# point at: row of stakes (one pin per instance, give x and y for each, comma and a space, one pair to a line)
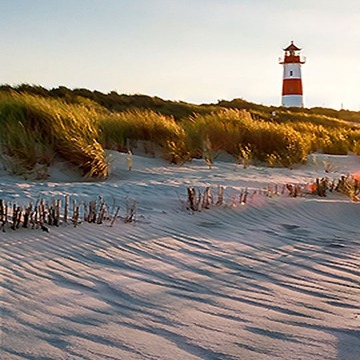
198, 200
43, 214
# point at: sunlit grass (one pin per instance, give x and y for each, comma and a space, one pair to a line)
120, 129
235, 130
34, 129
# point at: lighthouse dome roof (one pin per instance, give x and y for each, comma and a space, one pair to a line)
292, 47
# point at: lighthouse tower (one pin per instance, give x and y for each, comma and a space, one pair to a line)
292, 93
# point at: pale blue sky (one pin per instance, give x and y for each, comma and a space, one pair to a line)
190, 50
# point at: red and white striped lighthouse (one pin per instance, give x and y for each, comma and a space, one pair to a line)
292, 92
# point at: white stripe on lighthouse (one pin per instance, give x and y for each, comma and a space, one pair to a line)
292, 100
292, 71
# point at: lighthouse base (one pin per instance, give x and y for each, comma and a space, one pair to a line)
292, 100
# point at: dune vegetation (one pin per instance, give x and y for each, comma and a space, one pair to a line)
34, 130
38, 125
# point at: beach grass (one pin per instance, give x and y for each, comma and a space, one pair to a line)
237, 132
36, 128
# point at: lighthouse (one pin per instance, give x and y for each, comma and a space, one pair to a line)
292, 92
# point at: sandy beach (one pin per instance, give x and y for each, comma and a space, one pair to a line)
273, 278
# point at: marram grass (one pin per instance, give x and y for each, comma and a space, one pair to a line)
118, 129
235, 130
34, 129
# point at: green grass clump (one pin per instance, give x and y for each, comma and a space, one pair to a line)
330, 140
234, 130
35, 129
117, 129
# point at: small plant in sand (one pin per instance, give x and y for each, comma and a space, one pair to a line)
131, 207
314, 162
208, 153
328, 165
349, 186
130, 160
272, 159
245, 156
175, 152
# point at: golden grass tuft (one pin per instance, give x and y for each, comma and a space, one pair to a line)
35, 129
118, 129
235, 130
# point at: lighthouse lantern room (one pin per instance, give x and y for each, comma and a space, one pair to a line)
292, 92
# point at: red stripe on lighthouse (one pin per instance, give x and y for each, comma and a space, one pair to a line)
292, 87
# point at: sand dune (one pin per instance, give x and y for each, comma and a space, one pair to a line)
275, 278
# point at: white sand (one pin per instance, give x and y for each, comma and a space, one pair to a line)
277, 278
